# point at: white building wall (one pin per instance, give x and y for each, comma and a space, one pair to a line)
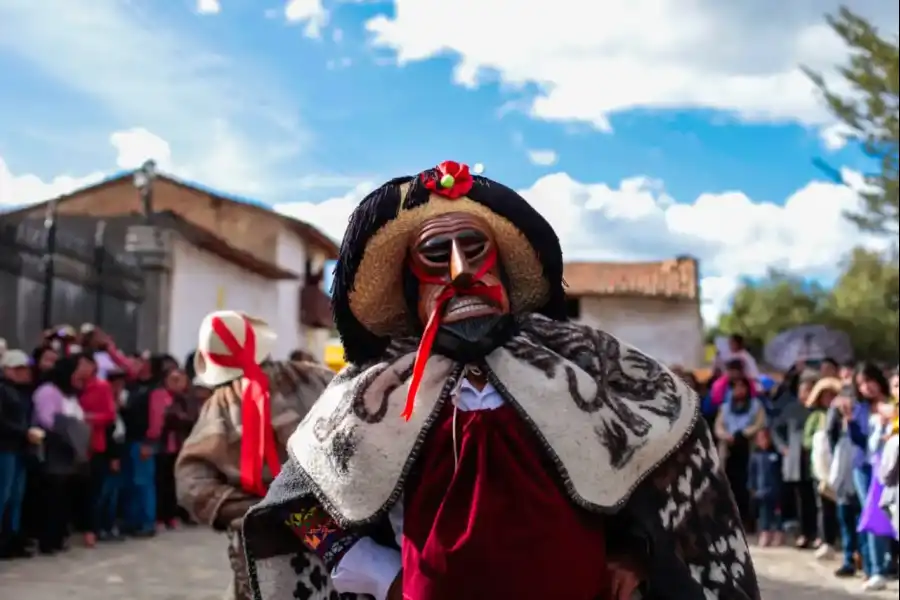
291, 254
199, 281
669, 330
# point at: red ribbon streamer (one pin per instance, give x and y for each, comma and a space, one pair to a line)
475, 288
258, 437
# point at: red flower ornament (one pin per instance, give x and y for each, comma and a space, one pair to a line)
452, 181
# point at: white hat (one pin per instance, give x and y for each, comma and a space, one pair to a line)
211, 344
14, 359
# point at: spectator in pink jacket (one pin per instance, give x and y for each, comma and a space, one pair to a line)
734, 371
100, 411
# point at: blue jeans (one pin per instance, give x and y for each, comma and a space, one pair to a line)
768, 518
140, 494
106, 500
873, 549
12, 491
848, 518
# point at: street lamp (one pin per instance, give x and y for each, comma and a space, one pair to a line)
148, 244
143, 181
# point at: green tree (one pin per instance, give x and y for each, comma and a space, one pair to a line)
761, 309
865, 301
870, 111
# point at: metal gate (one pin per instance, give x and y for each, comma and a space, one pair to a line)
88, 284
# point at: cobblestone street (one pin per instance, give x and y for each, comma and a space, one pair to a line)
190, 565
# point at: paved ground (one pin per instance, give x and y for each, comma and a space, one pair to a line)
190, 565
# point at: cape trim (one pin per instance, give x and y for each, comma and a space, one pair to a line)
606, 415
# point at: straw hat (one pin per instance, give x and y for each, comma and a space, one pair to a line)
211, 345
826, 384
368, 300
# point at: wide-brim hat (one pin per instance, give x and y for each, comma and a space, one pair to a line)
367, 295
211, 345
826, 384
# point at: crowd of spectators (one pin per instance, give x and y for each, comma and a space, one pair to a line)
811, 456
88, 440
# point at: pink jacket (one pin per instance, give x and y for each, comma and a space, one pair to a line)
719, 390
99, 408
160, 399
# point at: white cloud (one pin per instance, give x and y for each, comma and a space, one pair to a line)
137, 145
17, 190
227, 119
543, 158
592, 59
636, 219
731, 235
208, 7
309, 12
133, 147
835, 136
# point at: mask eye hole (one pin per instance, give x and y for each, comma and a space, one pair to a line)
436, 250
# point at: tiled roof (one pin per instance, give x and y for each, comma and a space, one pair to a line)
674, 278
305, 230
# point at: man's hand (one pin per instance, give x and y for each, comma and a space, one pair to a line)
728, 438
35, 435
146, 451
396, 591
115, 465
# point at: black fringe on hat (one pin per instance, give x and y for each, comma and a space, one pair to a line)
380, 207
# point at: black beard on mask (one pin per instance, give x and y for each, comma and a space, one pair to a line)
468, 340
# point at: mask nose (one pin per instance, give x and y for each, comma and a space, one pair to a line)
461, 274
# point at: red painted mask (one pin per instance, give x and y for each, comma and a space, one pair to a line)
462, 300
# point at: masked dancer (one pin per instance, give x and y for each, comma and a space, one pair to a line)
481, 446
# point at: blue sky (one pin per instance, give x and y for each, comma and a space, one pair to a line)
641, 134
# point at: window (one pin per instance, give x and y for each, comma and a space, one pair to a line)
573, 308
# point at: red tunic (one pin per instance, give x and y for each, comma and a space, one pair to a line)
500, 526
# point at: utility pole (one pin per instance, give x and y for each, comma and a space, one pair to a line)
99, 260
50, 230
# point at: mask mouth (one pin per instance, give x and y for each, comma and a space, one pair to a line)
461, 309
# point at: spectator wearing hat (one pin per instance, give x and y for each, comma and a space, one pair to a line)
16, 438
220, 473
816, 444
